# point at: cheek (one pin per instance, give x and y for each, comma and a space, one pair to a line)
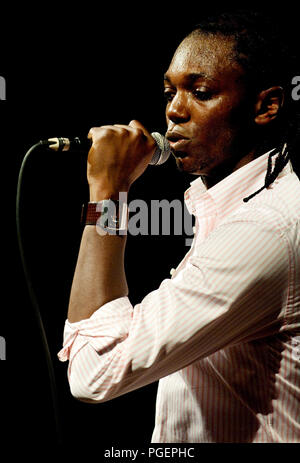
217, 121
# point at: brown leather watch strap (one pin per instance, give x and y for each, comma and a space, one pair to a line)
92, 213
110, 215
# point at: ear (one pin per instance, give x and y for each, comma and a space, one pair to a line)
268, 105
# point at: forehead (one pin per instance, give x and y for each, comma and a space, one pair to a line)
211, 55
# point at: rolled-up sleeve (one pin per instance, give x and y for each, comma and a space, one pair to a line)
229, 290
99, 334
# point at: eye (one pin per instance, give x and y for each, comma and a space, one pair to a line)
202, 94
169, 94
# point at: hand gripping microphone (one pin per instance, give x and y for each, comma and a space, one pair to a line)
162, 152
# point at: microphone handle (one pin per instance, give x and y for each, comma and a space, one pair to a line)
69, 144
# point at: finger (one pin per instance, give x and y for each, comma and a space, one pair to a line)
132, 128
94, 130
90, 133
122, 126
137, 125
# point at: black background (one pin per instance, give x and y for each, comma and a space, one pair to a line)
68, 70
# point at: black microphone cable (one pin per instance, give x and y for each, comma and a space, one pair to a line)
32, 294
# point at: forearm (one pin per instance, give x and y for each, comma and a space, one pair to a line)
118, 156
99, 275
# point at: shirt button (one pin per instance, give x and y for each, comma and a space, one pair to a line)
172, 271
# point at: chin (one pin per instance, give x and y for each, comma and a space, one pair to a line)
187, 165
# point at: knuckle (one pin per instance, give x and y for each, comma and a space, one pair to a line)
138, 132
92, 131
123, 131
104, 133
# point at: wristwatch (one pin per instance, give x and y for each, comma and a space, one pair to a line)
109, 216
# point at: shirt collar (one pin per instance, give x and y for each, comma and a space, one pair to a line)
228, 194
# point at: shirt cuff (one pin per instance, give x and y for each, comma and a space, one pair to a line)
111, 320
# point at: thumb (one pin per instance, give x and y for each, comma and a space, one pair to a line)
137, 125
150, 140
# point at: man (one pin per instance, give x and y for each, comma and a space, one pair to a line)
219, 334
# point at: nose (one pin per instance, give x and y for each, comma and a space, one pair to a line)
177, 110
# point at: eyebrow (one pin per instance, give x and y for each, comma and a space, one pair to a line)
192, 77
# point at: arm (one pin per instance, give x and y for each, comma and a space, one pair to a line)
99, 275
118, 156
230, 291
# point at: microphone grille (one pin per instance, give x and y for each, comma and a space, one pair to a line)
162, 151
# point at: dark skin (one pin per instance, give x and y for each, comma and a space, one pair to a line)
210, 113
208, 103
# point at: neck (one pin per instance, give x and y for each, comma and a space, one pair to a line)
225, 170
237, 159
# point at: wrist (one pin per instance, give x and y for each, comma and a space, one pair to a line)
98, 193
110, 216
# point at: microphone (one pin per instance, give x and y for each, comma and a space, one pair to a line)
161, 155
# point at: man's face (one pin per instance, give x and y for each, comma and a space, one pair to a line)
208, 112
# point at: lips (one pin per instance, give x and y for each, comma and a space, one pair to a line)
177, 140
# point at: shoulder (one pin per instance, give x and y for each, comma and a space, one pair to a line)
276, 208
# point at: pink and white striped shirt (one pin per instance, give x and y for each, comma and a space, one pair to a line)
221, 334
